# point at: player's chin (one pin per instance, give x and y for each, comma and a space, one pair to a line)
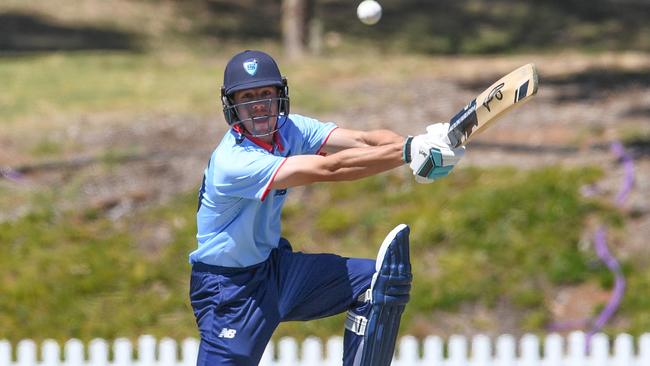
263, 126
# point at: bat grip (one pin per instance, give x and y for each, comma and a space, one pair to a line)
455, 137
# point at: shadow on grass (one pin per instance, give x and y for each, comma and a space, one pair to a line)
592, 84
244, 20
639, 147
420, 26
639, 112
24, 33
449, 26
598, 83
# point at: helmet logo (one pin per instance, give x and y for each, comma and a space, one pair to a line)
250, 66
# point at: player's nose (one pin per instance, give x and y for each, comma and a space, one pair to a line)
259, 106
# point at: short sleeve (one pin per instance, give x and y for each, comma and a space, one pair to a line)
315, 133
247, 174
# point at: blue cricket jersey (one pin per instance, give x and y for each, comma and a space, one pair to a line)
238, 219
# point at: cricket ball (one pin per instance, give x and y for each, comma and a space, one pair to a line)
369, 12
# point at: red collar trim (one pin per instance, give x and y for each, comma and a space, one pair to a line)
263, 144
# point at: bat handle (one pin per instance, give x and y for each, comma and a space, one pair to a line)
455, 137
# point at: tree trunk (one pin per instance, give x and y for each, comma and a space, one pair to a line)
294, 19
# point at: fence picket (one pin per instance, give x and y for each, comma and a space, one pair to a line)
334, 351
123, 352
407, 352
501, 351
287, 352
576, 349
644, 350
623, 350
506, 350
146, 350
189, 351
481, 350
26, 353
98, 352
433, 351
599, 350
457, 351
167, 352
530, 350
5, 352
74, 353
312, 351
553, 350
50, 353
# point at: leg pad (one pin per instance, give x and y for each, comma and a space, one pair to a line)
388, 295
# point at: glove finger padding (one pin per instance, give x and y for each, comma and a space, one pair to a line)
438, 131
439, 162
432, 157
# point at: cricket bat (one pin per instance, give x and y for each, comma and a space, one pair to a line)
511, 90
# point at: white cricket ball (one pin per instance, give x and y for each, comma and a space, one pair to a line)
369, 12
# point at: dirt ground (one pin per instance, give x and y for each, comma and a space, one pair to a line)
583, 105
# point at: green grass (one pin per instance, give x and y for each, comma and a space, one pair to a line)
56, 85
478, 237
489, 238
52, 90
69, 274
636, 303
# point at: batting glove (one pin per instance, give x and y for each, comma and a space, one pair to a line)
431, 155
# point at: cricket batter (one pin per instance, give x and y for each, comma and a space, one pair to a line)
246, 278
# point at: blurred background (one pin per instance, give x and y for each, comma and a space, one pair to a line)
109, 111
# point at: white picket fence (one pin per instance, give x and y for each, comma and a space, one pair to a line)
505, 350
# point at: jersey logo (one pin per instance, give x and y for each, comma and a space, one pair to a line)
227, 333
250, 66
280, 192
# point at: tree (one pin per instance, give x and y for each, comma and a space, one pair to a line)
298, 22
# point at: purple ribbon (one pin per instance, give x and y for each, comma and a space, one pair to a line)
10, 174
602, 249
603, 253
628, 165
619, 282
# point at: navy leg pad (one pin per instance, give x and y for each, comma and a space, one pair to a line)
388, 294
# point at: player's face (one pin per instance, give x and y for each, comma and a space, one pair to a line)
258, 110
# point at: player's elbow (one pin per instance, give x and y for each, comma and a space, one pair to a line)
338, 169
303, 170
326, 170
330, 168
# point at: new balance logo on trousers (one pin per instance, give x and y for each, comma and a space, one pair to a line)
227, 333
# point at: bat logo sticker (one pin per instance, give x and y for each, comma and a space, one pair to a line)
494, 93
521, 92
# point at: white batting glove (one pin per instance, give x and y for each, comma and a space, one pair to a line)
430, 155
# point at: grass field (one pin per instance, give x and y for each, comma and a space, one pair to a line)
490, 244
494, 246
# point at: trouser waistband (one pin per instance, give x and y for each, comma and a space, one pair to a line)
204, 267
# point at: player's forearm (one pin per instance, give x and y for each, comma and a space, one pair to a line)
342, 139
349, 164
362, 162
381, 137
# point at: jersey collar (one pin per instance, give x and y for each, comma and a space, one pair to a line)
277, 141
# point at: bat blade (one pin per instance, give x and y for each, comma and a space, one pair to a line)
511, 90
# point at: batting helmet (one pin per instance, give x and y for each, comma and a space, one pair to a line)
252, 69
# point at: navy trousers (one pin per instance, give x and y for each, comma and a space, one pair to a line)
237, 309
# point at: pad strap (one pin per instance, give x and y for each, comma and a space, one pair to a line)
356, 323
366, 296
